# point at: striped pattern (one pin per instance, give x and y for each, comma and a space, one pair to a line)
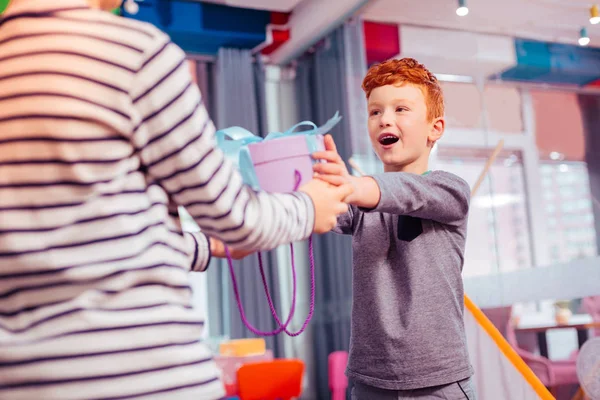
102, 136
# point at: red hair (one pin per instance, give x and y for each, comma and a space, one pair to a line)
407, 70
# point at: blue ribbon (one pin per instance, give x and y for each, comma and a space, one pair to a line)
236, 148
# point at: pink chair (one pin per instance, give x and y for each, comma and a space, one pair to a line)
551, 373
338, 382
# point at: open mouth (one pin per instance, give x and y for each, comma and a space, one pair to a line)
387, 139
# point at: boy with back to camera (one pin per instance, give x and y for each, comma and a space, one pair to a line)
409, 229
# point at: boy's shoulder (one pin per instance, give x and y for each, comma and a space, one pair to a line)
450, 178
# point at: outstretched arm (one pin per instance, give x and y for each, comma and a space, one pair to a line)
438, 196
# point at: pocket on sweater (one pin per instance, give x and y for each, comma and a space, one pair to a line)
409, 228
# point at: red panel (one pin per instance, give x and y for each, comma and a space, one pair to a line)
279, 18
594, 84
382, 41
279, 36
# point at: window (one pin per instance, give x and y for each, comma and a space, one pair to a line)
498, 230
569, 212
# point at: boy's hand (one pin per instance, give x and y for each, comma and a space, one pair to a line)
217, 249
329, 202
366, 191
334, 171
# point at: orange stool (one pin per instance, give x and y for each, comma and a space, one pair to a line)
279, 379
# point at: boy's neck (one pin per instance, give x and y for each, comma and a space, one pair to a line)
418, 167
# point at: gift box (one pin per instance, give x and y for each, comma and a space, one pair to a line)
281, 162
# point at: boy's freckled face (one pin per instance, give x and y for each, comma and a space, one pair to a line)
398, 125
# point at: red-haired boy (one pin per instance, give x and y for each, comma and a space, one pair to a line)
409, 229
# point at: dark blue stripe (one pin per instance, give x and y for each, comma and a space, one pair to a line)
214, 200
73, 282
102, 291
82, 221
79, 244
58, 270
80, 309
189, 168
199, 185
153, 56
38, 383
180, 149
225, 214
62, 183
8, 364
42, 14
67, 53
72, 34
173, 100
171, 389
181, 122
195, 251
233, 228
66, 74
109, 329
53, 139
66, 96
57, 161
65, 205
161, 80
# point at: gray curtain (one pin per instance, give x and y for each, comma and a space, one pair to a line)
238, 99
322, 89
590, 111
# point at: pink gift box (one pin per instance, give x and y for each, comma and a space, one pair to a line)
276, 162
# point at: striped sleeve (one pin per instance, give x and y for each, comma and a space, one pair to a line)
198, 246
174, 137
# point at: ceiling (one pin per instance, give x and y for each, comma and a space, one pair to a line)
271, 5
546, 20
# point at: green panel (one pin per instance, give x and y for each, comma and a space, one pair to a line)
3, 4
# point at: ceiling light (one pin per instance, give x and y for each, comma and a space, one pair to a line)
595, 14
462, 9
584, 39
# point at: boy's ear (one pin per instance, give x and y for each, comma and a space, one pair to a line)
437, 130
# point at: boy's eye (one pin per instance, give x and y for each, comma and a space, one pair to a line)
400, 109
374, 112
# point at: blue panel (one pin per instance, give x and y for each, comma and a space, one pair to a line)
553, 63
223, 18
204, 28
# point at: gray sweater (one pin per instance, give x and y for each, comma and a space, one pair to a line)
407, 310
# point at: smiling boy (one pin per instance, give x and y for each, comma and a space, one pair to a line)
409, 230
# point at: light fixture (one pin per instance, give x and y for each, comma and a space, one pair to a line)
131, 7
462, 9
584, 39
594, 15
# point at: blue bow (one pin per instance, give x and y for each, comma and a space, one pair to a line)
236, 148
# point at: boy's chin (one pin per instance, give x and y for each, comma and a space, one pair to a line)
391, 161
396, 163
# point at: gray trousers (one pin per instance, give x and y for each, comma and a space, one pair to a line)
461, 390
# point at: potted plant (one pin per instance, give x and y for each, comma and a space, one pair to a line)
562, 312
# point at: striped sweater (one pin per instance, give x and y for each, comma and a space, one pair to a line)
102, 136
